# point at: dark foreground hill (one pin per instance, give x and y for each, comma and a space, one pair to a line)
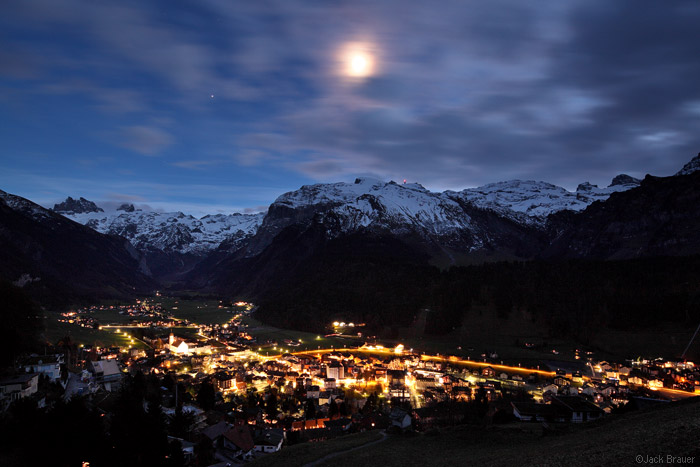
646, 437
60, 262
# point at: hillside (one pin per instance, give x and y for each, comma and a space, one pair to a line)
58, 261
665, 430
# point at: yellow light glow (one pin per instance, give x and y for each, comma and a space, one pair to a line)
358, 60
360, 65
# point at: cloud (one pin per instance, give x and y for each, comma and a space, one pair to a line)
196, 164
465, 93
255, 210
145, 140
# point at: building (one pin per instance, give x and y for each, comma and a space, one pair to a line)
49, 365
335, 370
17, 387
106, 373
269, 440
400, 419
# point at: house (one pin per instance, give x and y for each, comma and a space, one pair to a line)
339, 426
329, 383
187, 448
17, 387
238, 442
534, 412
562, 381
424, 382
396, 377
488, 372
230, 441
400, 419
106, 373
269, 440
223, 381
49, 365
579, 408
313, 392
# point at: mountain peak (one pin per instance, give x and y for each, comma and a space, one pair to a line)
73, 206
126, 207
585, 186
624, 179
690, 167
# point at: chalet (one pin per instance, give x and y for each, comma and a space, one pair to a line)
488, 372
269, 440
230, 441
238, 441
580, 410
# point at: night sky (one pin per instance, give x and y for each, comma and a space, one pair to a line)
222, 105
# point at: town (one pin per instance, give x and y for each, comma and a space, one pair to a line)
231, 394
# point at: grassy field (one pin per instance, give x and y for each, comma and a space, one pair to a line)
672, 429
301, 454
309, 341
55, 331
198, 311
111, 317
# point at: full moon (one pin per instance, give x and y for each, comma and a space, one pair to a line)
360, 65
358, 60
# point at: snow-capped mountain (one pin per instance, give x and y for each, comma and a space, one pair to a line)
495, 217
169, 231
448, 217
76, 206
690, 167
530, 202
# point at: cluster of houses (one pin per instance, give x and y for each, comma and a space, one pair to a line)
319, 395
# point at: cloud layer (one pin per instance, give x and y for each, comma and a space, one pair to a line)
464, 92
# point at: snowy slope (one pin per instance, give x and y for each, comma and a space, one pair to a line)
370, 202
367, 202
171, 231
690, 167
530, 202
346, 207
25, 206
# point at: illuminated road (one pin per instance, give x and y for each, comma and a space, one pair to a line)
452, 360
674, 394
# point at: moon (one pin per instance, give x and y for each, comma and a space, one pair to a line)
358, 61
360, 65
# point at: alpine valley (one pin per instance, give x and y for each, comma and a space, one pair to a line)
402, 245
